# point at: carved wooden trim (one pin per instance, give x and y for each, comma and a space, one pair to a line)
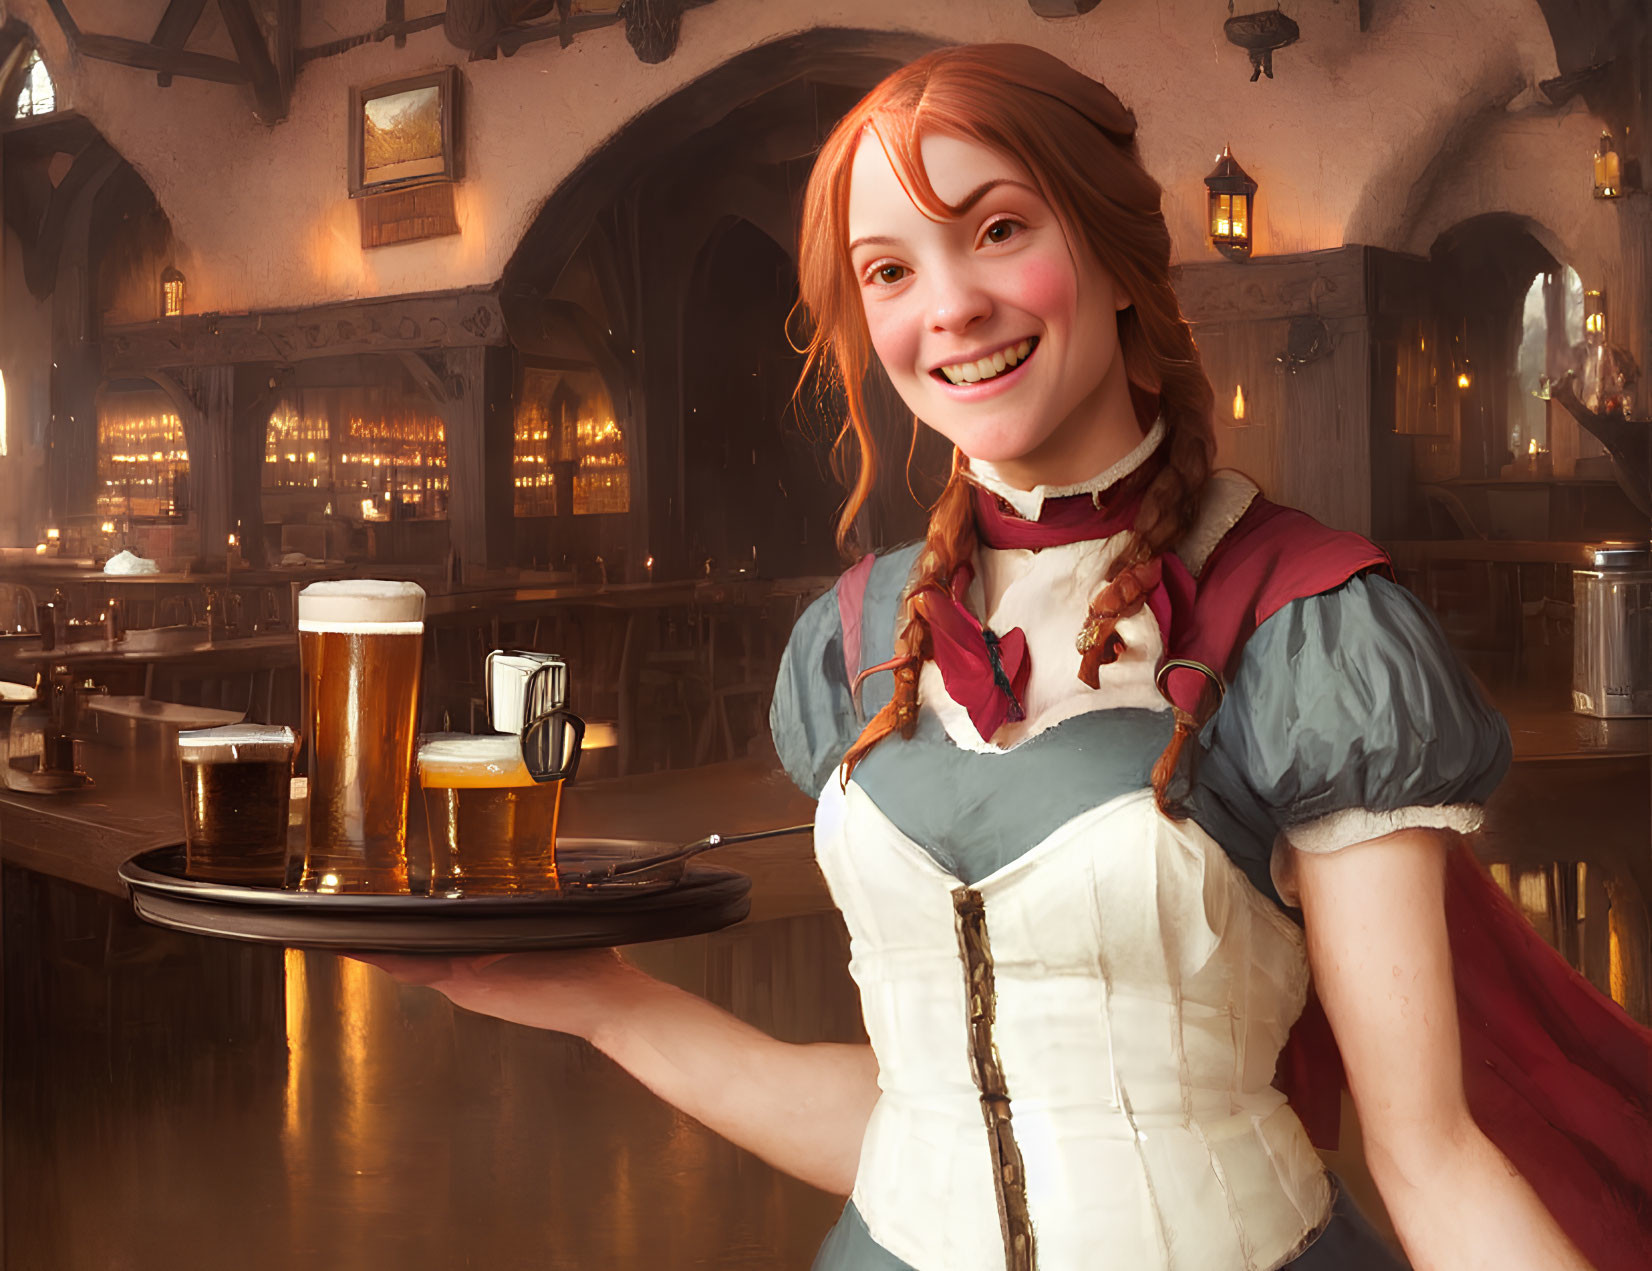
430, 320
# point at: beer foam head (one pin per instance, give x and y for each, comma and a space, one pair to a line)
234, 743
365, 605
458, 759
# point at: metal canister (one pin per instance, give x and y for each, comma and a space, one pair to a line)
1612, 633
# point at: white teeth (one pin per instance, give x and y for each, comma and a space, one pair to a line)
987, 367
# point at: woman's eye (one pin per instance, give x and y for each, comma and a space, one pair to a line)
887, 275
1001, 231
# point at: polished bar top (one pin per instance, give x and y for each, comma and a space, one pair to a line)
135, 803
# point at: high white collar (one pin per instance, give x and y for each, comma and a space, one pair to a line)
1029, 504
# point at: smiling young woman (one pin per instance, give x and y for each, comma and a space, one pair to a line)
1080, 956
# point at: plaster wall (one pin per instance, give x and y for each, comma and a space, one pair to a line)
1345, 142
26, 362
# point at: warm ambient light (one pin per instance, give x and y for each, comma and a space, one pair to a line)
1594, 315
39, 549
232, 540
108, 527
1462, 379
52, 536
1239, 401
1229, 195
1608, 169
1532, 449
172, 293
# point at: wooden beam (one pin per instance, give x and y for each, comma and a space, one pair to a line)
285, 52
254, 53
441, 320
146, 57
174, 29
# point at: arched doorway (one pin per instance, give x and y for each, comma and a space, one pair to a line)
623, 276
751, 476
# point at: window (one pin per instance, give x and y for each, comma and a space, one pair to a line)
378, 454
143, 462
38, 96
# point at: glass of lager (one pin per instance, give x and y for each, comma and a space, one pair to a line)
492, 826
361, 647
237, 780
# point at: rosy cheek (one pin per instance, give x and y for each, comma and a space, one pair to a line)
894, 338
1046, 286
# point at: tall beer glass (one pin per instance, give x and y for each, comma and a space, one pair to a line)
236, 785
492, 826
361, 646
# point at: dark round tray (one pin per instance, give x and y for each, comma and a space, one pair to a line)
705, 898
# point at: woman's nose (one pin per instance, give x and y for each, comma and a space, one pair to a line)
957, 302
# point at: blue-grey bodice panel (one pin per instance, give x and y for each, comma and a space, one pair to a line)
1350, 699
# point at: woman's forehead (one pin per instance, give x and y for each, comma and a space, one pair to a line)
956, 167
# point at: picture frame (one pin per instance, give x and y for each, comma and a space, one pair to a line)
403, 132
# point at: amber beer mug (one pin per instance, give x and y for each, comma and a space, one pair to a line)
361, 646
492, 826
237, 781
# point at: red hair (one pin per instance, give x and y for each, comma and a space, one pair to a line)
1078, 143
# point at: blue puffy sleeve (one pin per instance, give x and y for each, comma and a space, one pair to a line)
812, 717
1350, 717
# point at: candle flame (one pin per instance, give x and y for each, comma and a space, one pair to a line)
1239, 401
1462, 379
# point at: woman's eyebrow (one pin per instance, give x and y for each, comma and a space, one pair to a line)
987, 187
969, 200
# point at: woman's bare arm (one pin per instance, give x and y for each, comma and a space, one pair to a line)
1381, 961
802, 1108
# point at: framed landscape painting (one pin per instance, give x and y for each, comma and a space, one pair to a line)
402, 132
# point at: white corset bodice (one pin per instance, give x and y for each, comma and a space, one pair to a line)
1143, 992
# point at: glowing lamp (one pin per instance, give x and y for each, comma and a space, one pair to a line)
52, 536
108, 527
1594, 317
1463, 380
172, 292
1231, 195
1608, 169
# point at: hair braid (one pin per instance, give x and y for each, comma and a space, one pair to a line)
949, 544
1168, 507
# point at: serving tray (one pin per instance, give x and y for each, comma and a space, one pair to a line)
705, 898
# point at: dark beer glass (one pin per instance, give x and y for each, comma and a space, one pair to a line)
361, 647
237, 781
492, 826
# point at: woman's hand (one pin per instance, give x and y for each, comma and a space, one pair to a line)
567, 991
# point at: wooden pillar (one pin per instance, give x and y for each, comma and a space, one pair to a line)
204, 397
471, 389
252, 397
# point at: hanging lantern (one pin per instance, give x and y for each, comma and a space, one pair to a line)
1594, 317
1232, 193
1608, 169
172, 292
